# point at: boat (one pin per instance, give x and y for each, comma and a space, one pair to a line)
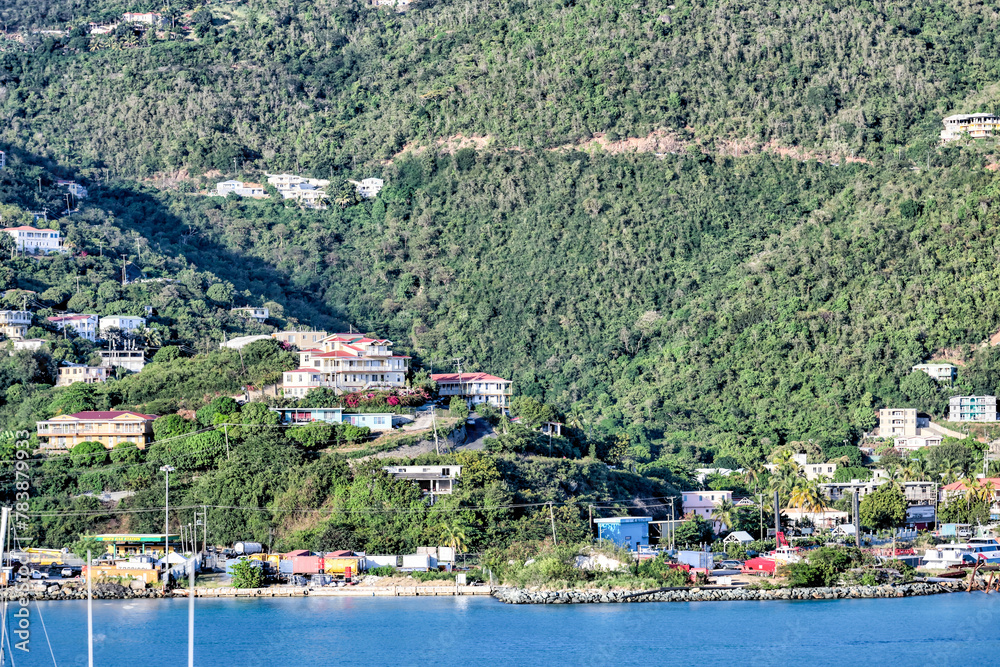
977, 549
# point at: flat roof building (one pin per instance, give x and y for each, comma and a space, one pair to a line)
940, 372
629, 532
432, 480
973, 409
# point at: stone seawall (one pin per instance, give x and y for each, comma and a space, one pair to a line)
522, 596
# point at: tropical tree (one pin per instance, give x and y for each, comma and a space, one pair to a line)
725, 514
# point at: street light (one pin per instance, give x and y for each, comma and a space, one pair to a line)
166, 519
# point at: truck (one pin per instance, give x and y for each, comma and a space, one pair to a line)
696, 559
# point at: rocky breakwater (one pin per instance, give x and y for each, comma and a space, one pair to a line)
523, 596
78, 591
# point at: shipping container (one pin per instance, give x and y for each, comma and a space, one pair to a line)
421, 562
697, 559
381, 561
337, 566
307, 564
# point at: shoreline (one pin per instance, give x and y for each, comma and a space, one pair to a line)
505, 594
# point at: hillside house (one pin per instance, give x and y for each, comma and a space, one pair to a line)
73, 373
131, 360
14, 323
145, 18
251, 313
73, 188
108, 428
971, 126
300, 339
125, 323
241, 188
346, 363
432, 480
703, 503
376, 421
34, 240
307, 191
940, 372
369, 187
475, 388
85, 326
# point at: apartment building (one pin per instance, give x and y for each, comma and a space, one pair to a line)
108, 428
973, 126
252, 313
14, 323
894, 422
819, 470
973, 409
475, 388
940, 372
347, 363
916, 493
80, 373
34, 240
300, 339
127, 323
85, 326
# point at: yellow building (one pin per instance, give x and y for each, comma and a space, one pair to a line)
108, 428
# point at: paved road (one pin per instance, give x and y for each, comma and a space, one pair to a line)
476, 433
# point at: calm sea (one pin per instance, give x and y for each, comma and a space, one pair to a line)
958, 629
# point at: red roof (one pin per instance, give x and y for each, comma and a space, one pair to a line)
297, 552
304, 370
63, 318
466, 377
960, 484
335, 353
400, 356
356, 349
311, 349
340, 554
25, 228
110, 414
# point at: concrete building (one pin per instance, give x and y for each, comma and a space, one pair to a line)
972, 126
629, 532
475, 388
242, 188
369, 187
703, 503
108, 428
131, 360
251, 313
916, 493
893, 422
14, 323
940, 372
33, 344
85, 326
134, 544
145, 18
819, 470
307, 191
34, 240
126, 323
432, 480
347, 363
973, 409
376, 421
912, 444
301, 339
80, 373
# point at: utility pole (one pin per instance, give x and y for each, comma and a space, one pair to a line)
434, 425
166, 525
673, 519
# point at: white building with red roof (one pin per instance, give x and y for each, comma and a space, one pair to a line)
34, 240
475, 388
347, 363
85, 326
959, 488
109, 427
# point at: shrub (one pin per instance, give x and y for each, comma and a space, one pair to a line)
89, 453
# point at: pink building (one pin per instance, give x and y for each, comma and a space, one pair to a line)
703, 503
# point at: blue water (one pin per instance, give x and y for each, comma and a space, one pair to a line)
958, 629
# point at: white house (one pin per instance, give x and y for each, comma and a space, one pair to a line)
146, 18
346, 363
14, 323
127, 323
252, 313
85, 326
35, 240
369, 187
73, 188
243, 189
738, 537
475, 388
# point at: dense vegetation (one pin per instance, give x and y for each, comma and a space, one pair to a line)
695, 306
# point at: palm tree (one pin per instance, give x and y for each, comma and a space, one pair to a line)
977, 491
725, 514
915, 470
453, 535
807, 496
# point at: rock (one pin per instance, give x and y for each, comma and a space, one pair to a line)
137, 585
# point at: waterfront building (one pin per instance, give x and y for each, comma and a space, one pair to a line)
628, 532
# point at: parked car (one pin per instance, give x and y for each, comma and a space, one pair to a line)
730, 565
38, 574
66, 572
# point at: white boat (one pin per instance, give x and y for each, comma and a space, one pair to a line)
944, 556
785, 554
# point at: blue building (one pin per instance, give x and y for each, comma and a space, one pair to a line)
630, 532
376, 421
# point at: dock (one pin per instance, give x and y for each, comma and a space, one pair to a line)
336, 591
